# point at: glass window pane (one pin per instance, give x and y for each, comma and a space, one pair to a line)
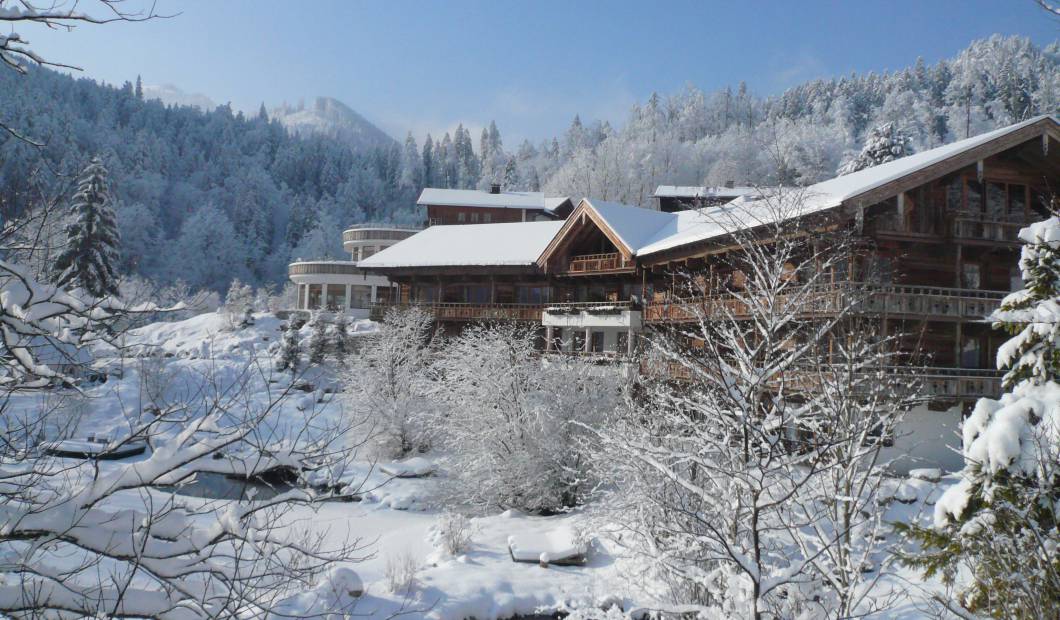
314, 297
1017, 199
975, 196
336, 297
995, 199
360, 296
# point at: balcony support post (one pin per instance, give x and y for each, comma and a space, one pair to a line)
588, 346
629, 343
549, 331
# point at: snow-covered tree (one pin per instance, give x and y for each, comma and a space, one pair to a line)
289, 355
513, 421
885, 143
730, 463
238, 305
318, 338
387, 383
89, 258
1001, 523
340, 336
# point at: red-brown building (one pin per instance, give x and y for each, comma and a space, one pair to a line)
469, 206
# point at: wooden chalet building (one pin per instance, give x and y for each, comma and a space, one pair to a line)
942, 223
468, 206
674, 198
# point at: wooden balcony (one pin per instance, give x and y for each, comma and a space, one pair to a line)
590, 264
466, 312
973, 228
936, 383
893, 301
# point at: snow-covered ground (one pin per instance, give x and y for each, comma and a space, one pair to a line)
398, 517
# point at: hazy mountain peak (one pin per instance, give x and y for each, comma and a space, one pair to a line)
170, 94
332, 118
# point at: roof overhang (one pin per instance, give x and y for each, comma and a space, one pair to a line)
583, 215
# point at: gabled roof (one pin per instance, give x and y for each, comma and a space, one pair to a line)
474, 198
696, 191
518, 243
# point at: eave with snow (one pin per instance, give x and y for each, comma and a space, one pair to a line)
469, 206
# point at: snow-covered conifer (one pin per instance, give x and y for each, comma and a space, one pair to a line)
289, 356
340, 336
885, 143
318, 338
238, 306
91, 252
1001, 522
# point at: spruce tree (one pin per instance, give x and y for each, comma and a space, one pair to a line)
341, 336
91, 251
290, 354
885, 143
1001, 523
318, 338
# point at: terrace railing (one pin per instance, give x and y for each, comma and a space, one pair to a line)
855, 298
466, 311
598, 263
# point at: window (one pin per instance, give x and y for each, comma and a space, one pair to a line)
336, 296
1017, 199
474, 218
557, 338
486, 217
597, 343
360, 296
970, 353
578, 340
975, 196
461, 217
301, 295
1015, 278
382, 294
954, 191
313, 302
622, 343
367, 251
970, 275
995, 200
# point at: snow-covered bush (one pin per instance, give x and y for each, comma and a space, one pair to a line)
388, 384
400, 571
514, 421
454, 532
1001, 522
340, 337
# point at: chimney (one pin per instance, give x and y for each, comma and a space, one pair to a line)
495, 188
729, 184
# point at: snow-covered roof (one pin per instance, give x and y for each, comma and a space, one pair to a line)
695, 191
513, 244
701, 224
554, 202
634, 226
475, 198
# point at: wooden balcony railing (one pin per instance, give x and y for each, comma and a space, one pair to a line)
892, 300
466, 312
591, 307
598, 263
987, 230
935, 383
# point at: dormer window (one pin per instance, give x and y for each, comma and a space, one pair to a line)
460, 217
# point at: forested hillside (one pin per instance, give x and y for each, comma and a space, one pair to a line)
204, 197
207, 196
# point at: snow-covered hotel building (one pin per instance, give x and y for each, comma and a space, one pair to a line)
336, 285
942, 225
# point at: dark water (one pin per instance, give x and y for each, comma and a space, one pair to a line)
219, 486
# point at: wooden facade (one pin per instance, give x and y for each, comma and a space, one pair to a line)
944, 253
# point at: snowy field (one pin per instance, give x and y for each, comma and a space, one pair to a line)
396, 519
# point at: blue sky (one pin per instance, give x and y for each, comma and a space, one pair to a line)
427, 65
